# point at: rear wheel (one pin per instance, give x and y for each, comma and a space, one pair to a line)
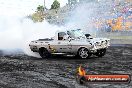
100, 52
44, 53
84, 53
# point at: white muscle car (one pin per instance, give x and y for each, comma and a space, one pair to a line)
70, 42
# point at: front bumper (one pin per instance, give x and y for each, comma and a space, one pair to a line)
33, 48
102, 45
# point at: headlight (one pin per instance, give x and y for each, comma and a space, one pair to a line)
92, 46
98, 43
34, 47
106, 42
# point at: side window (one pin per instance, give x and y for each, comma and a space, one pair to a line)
61, 35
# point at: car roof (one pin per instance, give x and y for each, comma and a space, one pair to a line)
64, 30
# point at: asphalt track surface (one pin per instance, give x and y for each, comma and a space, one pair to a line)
22, 71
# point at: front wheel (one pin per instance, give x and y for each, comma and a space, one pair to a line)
44, 53
84, 53
100, 52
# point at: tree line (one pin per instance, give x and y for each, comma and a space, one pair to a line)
55, 5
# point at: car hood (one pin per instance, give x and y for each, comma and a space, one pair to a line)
94, 40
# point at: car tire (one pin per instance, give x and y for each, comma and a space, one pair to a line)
83, 53
44, 53
100, 52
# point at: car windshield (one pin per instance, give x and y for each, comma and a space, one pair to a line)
78, 33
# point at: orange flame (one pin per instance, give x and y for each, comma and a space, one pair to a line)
82, 72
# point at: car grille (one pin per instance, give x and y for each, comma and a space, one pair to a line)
102, 44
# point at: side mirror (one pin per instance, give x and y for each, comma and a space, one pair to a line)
69, 38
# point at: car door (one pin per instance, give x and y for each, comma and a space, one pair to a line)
63, 45
74, 44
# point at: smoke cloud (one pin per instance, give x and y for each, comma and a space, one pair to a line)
86, 15
17, 31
